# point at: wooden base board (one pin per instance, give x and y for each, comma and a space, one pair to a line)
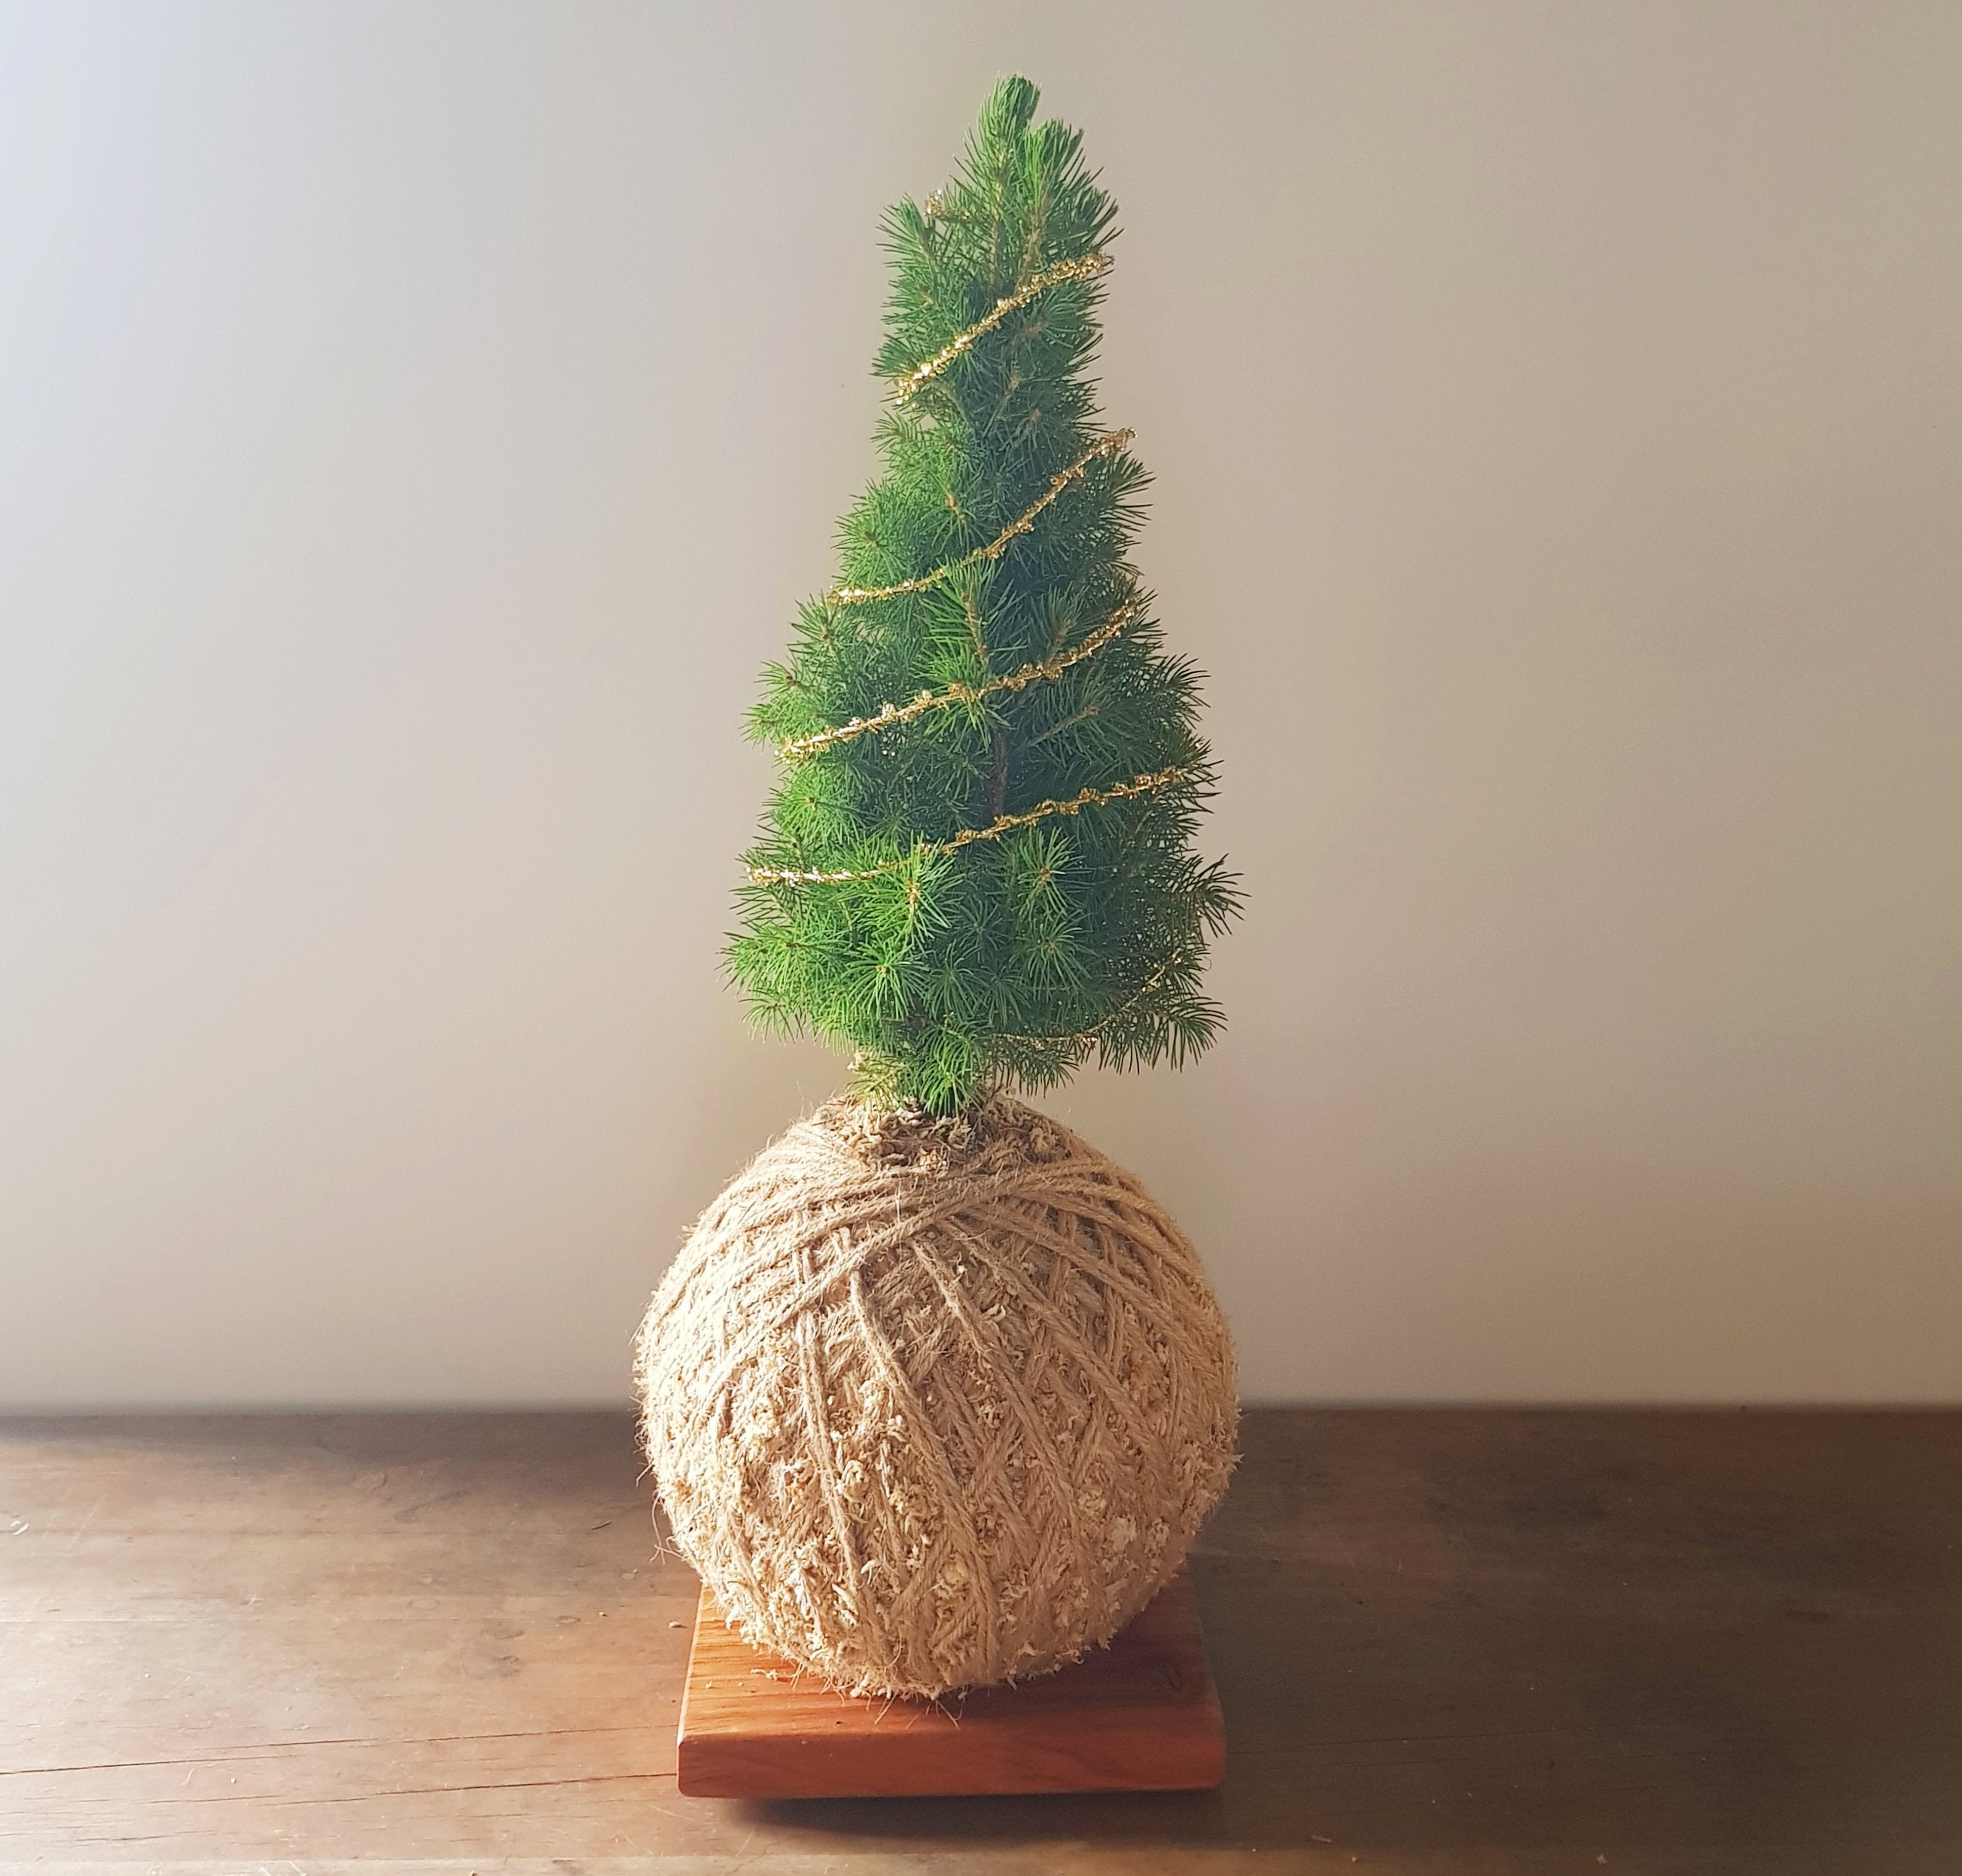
1139, 1716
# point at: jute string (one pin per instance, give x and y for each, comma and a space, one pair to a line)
931, 1406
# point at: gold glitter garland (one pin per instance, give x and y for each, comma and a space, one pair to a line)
891, 715
1104, 445
995, 829
1087, 267
1090, 1035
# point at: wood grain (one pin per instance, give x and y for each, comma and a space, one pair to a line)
1445, 1644
1141, 1716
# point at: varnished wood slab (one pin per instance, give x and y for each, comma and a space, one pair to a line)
1448, 1643
1139, 1716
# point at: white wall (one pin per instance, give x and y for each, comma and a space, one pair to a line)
418, 423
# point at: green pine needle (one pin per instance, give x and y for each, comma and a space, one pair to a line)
1012, 960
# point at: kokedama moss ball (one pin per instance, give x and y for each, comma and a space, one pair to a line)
935, 1403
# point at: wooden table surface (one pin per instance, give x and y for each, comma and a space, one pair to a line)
1697, 1644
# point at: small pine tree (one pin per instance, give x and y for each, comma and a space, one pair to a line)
977, 867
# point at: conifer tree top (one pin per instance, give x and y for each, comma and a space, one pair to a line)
977, 867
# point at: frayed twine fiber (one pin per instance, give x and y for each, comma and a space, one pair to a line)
932, 1404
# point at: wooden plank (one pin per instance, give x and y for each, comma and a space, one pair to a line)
1140, 1716
1479, 1643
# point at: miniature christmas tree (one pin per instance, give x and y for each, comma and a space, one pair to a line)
936, 1395
977, 867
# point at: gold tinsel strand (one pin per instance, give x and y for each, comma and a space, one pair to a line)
1104, 445
891, 715
1087, 267
995, 829
1090, 1035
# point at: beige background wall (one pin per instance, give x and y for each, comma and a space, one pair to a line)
419, 423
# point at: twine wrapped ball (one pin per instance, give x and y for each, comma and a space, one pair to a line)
932, 1404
